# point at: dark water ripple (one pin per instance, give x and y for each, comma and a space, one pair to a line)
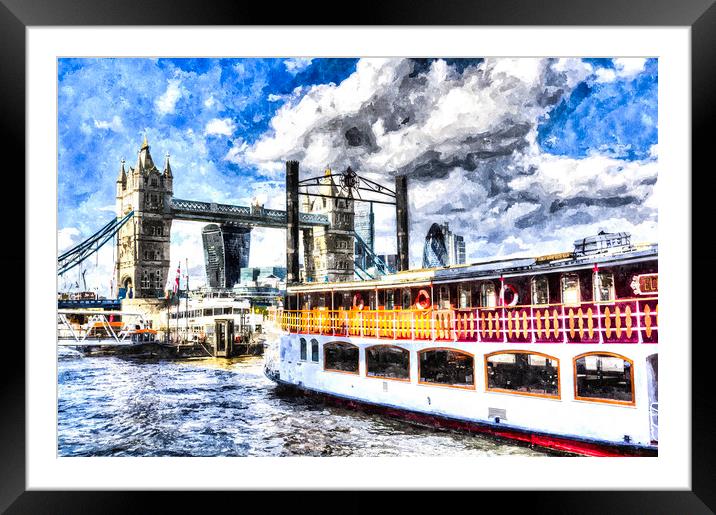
209, 407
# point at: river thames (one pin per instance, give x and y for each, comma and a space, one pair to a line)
110, 406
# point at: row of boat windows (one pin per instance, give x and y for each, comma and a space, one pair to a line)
598, 376
208, 312
485, 294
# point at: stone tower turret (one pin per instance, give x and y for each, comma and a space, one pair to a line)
328, 251
143, 243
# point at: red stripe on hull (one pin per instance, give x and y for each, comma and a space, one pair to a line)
558, 443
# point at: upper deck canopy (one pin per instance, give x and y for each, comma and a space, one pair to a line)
494, 268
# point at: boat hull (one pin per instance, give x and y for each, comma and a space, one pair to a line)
561, 443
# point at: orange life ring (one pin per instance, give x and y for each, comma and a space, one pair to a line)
515, 295
358, 301
422, 301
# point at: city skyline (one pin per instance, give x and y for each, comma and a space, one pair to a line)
570, 149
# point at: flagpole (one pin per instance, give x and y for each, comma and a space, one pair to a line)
186, 302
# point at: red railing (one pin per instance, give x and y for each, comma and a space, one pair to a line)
622, 321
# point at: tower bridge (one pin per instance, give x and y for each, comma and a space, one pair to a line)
254, 216
146, 207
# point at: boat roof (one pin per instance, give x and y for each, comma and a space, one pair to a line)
509, 267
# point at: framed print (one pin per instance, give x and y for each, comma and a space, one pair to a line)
475, 203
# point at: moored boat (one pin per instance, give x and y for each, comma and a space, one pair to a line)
558, 351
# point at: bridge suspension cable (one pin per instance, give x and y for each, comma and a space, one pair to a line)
368, 257
77, 254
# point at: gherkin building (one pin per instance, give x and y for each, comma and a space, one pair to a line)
435, 252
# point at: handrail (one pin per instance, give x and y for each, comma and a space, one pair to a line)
620, 321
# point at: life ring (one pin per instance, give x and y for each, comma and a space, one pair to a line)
422, 301
358, 301
515, 295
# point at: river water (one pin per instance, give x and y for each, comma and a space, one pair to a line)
110, 406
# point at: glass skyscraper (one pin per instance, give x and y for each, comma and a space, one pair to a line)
442, 247
226, 251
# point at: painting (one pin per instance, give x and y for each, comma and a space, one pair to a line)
452, 242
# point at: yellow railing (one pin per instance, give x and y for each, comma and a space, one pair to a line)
622, 321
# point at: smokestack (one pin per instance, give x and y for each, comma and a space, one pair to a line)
292, 222
401, 220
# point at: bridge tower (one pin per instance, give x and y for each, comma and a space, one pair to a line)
143, 243
328, 251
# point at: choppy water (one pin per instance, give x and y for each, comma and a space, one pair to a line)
215, 407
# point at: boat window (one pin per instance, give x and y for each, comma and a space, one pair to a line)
464, 295
314, 350
407, 299
341, 357
540, 290
389, 302
603, 287
522, 372
371, 300
488, 297
570, 289
304, 356
605, 377
444, 297
387, 361
447, 367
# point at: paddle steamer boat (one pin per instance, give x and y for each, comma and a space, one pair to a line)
557, 351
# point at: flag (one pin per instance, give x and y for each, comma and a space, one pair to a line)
176, 281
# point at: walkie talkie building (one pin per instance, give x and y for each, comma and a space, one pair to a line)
226, 252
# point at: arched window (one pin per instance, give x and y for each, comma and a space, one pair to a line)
488, 296
570, 289
540, 290
340, 357
464, 295
446, 367
314, 350
387, 361
372, 303
522, 372
304, 352
444, 297
145, 279
389, 302
406, 298
603, 287
158, 277
604, 377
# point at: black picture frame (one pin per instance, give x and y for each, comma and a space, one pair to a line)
16, 15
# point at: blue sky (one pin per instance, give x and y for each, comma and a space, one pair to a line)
483, 129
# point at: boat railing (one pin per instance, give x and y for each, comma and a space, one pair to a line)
618, 321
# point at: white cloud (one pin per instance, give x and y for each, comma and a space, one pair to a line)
220, 126
628, 67
624, 68
114, 124
66, 238
297, 64
166, 103
467, 142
